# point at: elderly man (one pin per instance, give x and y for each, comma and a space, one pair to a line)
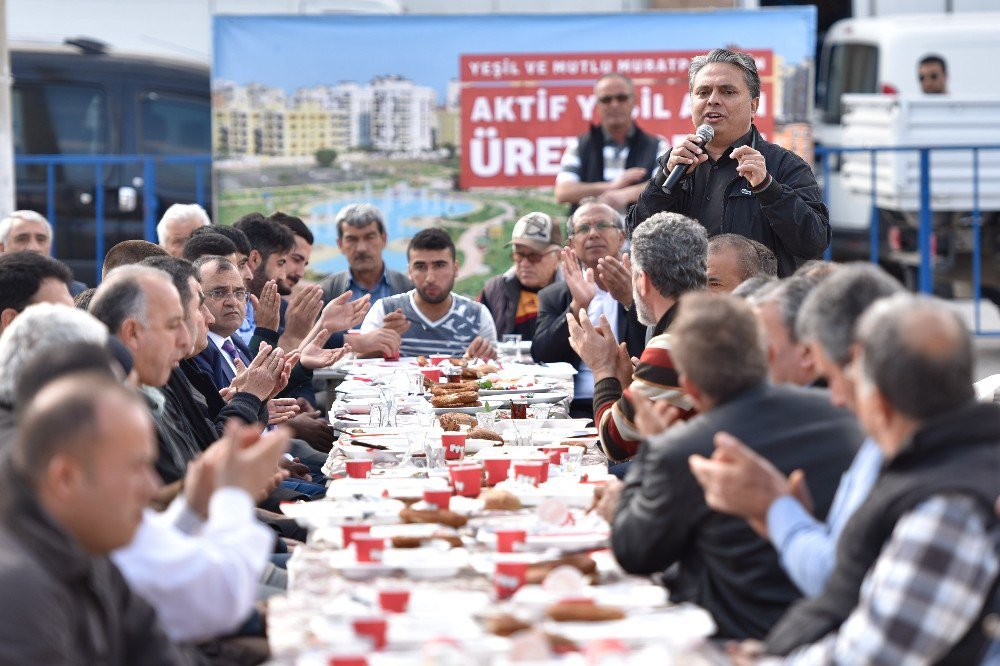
733, 259
597, 279
918, 561
441, 321
361, 238
610, 160
28, 231
662, 518
749, 186
668, 261
777, 307
177, 224
27, 278
75, 487
778, 506
512, 298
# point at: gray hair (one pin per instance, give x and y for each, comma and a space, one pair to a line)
121, 296
672, 250
359, 215
789, 295
918, 354
831, 311
748, 289
40, 329
27, 215
744, 61
753, 257
181, 212
616, 217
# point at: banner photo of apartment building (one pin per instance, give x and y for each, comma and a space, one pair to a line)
461, 121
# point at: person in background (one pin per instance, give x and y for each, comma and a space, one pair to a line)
177, 224
28, 231
933, 74
239, 239
777, 307
209, 243
611, 160
734, 259
130, 252
512, 298
27, 278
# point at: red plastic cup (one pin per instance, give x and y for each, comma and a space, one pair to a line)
391, 357
347, 660
372, 628
352, 531
554, 453
530, 471
508, 577
394, 601
496, 470
369, 548
454, 445
359, 469
433, 374
545, 471
437, 358
506, 539
439, 498
466, 479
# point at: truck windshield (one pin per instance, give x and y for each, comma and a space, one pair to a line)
846, 68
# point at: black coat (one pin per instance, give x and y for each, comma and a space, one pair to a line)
788, 216
724, 567
551, 341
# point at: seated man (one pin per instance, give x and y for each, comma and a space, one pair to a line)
662, 518
27, 278
777, 306
732, 259
75, 486
512, 298
176, 225
361, 237
28, 231
668, 261
237, 238
440, 321
129, 252
918, 561
596, 279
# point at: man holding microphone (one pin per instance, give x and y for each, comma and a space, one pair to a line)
738, 183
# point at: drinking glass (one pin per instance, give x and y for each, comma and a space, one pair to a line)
509, 349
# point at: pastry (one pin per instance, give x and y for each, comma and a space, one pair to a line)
483, 433
460, 387
442, 517
462, 399
495, 499
575, 611
537, 572
450, 421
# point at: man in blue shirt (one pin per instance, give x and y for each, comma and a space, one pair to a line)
738, 481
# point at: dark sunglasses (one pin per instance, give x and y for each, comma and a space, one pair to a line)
532, 257
621, 98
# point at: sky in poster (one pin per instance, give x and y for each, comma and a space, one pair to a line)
303, 51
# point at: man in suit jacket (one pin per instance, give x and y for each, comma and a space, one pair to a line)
361, 237
225, 297
662, 519
602, 286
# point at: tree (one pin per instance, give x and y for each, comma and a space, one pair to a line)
325, 157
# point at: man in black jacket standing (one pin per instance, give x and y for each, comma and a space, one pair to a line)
662, 518
739, 183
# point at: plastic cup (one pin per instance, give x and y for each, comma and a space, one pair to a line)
467, 479
508, 577
555, 453
391, 357
438, 498
529, 471
437, 358
394, 600
350, 532
508, 538
347, 660
359, 469
454, 445
372, 628
433, 374
496, 470
369, 548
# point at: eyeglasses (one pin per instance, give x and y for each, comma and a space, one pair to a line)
621, 98
532, 257
222, 294
584, 229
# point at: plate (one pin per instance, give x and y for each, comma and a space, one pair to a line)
459, 410
323, 513
532, 398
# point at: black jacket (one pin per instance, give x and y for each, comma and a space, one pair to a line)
59, 605
788, 216
724, 567
551, 341
501, 295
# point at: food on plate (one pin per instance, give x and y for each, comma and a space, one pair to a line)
478, 371
483, 433
422, 361
451, 421
460, 387
462, 399
505, 625
452, 540
538, 571
583, 611
495, 499
439, 516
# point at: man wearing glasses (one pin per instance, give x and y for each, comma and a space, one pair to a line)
512, 298
611, 160
226, 298
597, 279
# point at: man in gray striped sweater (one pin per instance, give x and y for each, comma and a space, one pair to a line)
441, 322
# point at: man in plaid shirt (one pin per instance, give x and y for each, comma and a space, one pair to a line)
917, 564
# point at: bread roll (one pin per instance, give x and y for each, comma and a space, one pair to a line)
439, 516
583, 612
463, 399
495, 499
483, 433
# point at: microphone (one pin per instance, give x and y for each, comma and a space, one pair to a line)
706, 133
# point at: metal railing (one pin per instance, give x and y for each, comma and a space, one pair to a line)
201, 165
925, 269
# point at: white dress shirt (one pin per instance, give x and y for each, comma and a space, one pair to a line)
603, 303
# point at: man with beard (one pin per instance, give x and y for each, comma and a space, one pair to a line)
440, 321
270, 244
302, 303
668, 260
